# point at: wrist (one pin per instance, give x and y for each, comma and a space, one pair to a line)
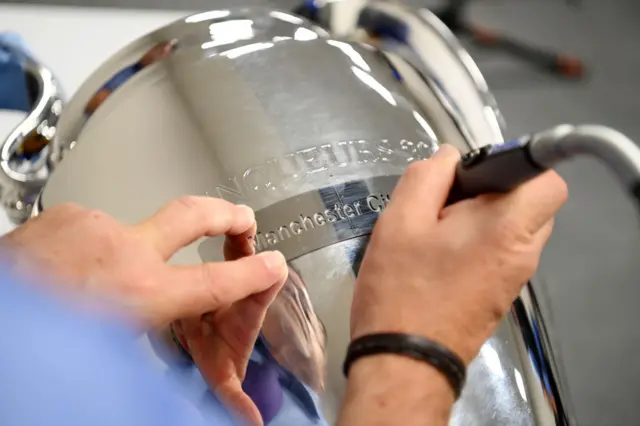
453, 338
402, 369
390, 387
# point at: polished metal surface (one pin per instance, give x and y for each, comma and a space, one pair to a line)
444, 64
26, 159
264, 108
491, 111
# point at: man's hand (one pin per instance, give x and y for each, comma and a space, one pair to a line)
128, 264
451, 273
447, 273
221, 343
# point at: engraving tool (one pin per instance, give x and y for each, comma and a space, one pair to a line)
500, 168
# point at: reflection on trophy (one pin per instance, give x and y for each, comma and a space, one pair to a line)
289, 356
297, 119
295, 335
153, 55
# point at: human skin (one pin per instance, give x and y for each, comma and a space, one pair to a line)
93, 255
449, 274
410, 281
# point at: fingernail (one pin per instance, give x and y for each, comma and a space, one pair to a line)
273, 260
445, 149
247, 211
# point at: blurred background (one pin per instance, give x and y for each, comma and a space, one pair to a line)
588, 278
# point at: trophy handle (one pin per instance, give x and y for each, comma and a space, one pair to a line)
27, 155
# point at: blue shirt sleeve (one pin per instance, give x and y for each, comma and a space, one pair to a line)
61, 367
13, 87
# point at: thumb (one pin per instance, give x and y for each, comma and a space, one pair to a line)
199, 289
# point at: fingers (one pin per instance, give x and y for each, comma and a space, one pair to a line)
533, 204
238, 246
426, 184
204, 288
187, 219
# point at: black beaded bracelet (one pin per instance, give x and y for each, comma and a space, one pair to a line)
415, 347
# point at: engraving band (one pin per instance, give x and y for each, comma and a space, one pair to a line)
296, 166
316, 219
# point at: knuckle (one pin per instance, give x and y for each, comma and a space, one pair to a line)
209, 275
207, 210
98, 215
510, 235
516, 253
188, 202
67, 209
191, 207
98, 221
417, 168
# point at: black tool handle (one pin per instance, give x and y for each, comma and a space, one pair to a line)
493, 169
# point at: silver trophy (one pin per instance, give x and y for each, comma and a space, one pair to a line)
310, 123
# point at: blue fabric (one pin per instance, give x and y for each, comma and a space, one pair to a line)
305, 398
13, 87
383, 25
262, 385
298, 404
61, 367
121, 77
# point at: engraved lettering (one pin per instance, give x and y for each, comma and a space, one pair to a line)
307, 223
310, 157
274, 173
319, 159
425, 150
346, 150
256, 178
260, 242
319, 219
331, 217
386, 153
348, 210
315, 221
374, 203
295, 227
332, 156
284, 232
352, 148
230, 193
364, 154
357, 206
291, 166
272, 238
417, 150
408, 148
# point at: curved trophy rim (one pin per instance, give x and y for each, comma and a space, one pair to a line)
183, 33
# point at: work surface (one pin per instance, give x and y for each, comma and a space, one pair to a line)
590, 269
